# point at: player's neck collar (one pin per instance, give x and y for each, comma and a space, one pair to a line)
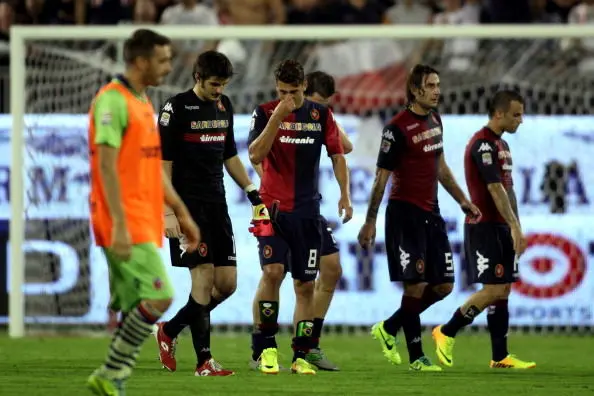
126, 83
497, 135
418, 115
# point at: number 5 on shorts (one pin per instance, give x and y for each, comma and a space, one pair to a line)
312, 261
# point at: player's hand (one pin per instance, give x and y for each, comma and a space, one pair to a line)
285, 107
519, 241
471, 210
345, 208
121, 242
172, 229
261, 223
190, 232
367, 235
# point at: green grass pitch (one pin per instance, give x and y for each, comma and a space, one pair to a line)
59, 366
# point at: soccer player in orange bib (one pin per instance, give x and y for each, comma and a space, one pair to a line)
128, 193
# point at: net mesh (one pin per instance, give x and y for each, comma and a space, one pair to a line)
62, 78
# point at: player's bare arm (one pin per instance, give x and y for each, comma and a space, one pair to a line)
341, 172
172, 229
367, 233
262, 145
108, 157
186, 224
503, 204
121, 241
448, 181
259, 170
347, 145
237, 171
513, 201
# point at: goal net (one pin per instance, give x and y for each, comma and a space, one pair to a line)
59, 280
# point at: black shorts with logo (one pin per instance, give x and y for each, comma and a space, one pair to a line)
297, 245
490, 255
417, 245
217, 245
329, 245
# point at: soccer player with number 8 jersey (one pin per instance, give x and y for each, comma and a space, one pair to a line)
286, 138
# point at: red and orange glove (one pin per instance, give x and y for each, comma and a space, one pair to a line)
261, 223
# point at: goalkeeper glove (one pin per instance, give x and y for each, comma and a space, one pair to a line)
261, 224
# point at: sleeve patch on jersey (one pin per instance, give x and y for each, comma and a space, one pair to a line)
168, 107
487, 158
164, 120
106, 118
385, 147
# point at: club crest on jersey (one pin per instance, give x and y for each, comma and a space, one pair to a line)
157, 284
267, 251
203, 249
220, 105
315, 114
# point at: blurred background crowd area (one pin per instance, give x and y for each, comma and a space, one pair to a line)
370, 74
258, 12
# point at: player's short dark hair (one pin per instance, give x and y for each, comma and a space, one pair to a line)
502, 100
212, 64
320, 83
415, 79
289, 72
142, 44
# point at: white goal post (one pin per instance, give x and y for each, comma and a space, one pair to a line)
21, 35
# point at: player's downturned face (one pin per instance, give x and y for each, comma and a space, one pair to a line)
513, 118
159, 65
295, 91
212, 88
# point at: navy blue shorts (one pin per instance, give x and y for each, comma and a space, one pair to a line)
490, 255
297, 245
417, 245
329, 245
217, 245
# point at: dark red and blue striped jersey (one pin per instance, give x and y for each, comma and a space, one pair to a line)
411, 147
291, 168
487, 160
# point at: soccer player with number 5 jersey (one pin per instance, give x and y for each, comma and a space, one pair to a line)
417, 245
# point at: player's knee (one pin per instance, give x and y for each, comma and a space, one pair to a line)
226, 288
303, 290
414, 289
443, 290
330, 272
273, 274
498, 292
156, 308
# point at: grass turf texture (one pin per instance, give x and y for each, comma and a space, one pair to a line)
60, 366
